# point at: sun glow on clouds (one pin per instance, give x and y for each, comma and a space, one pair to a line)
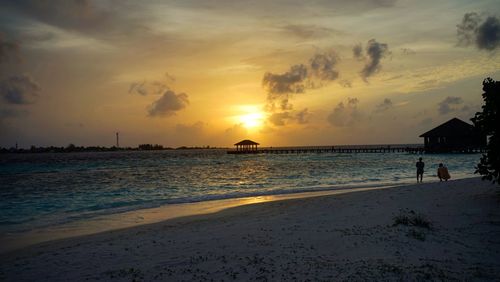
253, 117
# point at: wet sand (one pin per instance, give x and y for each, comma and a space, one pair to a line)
430, 231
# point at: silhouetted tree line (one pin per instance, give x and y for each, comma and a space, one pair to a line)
151, 147
73, 148
488, 122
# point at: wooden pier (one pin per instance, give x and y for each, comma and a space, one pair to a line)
413, 148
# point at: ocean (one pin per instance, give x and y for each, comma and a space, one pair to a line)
43, 190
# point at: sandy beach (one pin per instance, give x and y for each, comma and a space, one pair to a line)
430, 231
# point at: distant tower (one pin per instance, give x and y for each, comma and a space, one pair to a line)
16, 145
117, 140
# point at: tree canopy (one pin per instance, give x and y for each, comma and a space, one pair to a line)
489, 123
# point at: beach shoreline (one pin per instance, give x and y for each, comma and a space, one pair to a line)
452, 231
137, 217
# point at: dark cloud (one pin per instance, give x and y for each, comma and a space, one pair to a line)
408, 51
449, 104
288, 82
375, 51
482, 32
67, 14
357, 51
302, 117
323, 66
9, 50
352, 101
106, 20
19, 89
286, 117
345, 83
384, 106
309, 31
345, 114
168, 104
279, 119
279, 87
145, 88
154, 87
139, 88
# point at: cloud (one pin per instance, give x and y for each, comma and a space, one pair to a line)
116, 22
288, 82
139, 88
286, 117
279, 119
357, 51
323, 66
449, 104
145, 88
408, 51
19, 89
279, 87
482, 32
345, 114
155, 87
375, 51
468, 111
67, 14
345, 83
384, 106
168, 104
309, 31
302, 117
9, 51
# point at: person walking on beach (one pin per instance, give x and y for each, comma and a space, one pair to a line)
420, 169
442, 173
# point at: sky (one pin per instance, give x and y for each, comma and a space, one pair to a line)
211, 73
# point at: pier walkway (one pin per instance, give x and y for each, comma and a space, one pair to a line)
403, 148
412, 148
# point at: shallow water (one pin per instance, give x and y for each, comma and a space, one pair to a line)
40, 190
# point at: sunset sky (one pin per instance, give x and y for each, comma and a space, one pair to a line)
281, 73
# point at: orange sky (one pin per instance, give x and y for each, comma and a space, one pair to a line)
200, 73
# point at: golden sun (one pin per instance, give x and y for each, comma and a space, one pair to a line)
252, 120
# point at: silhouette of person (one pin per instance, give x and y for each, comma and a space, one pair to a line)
420, 169
442, 173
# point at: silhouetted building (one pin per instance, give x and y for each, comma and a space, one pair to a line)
247, 146
454, 135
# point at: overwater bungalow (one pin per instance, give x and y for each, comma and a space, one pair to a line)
454, 135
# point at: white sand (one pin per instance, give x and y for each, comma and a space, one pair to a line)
338, 237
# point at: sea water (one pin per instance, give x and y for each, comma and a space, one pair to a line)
41, 190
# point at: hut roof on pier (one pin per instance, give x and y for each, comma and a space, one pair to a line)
246, 142
453, 127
